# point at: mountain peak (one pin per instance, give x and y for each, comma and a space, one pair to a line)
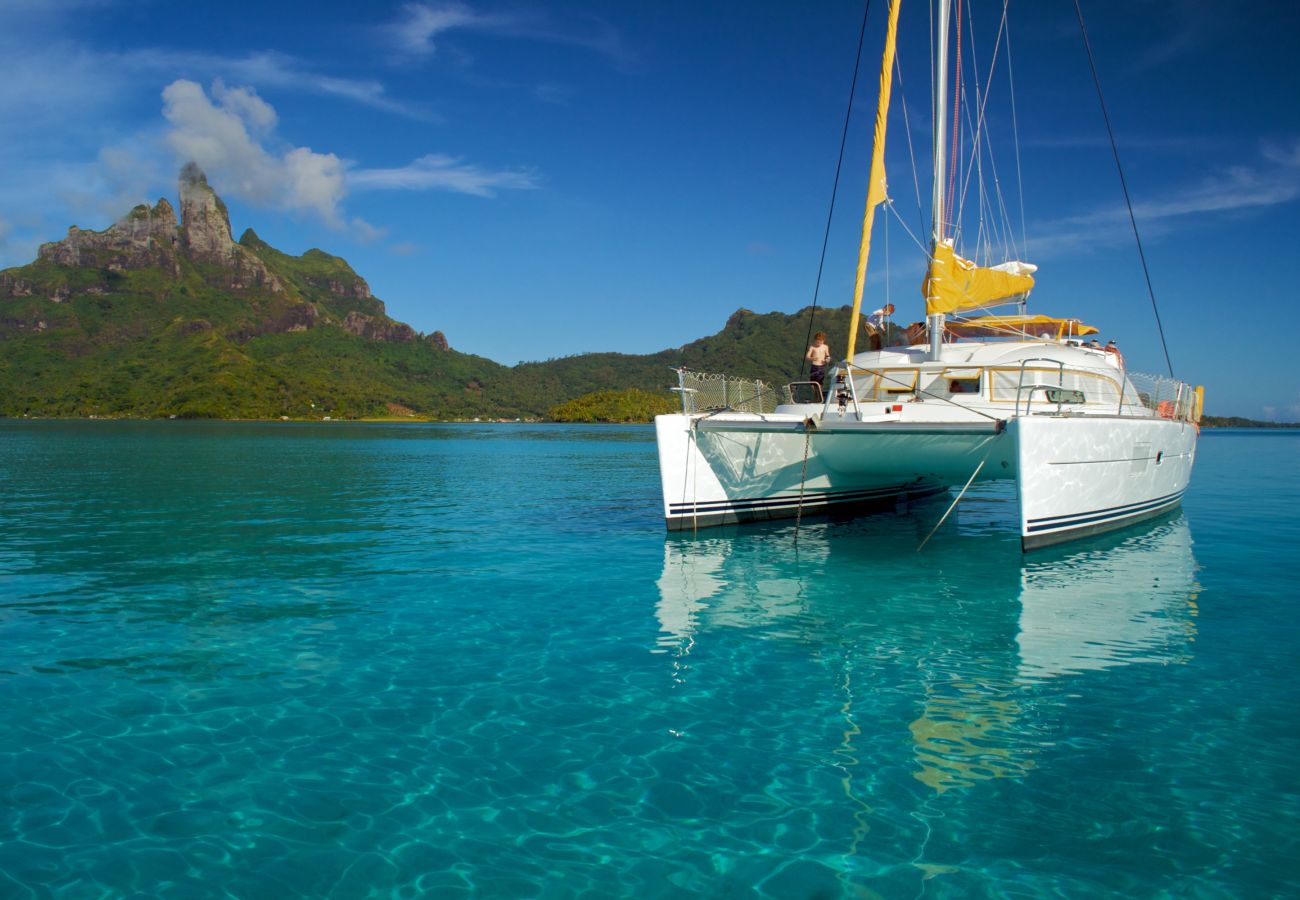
205, 223
205, 234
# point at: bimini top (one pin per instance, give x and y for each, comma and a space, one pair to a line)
1018, 327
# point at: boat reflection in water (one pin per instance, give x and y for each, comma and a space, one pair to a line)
957, 648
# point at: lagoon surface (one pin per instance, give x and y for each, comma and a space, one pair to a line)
334, 660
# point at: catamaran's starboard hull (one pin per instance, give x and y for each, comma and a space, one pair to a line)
1080, 476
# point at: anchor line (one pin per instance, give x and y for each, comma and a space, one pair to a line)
961, 494
803, 477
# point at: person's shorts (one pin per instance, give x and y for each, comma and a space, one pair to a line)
817, 374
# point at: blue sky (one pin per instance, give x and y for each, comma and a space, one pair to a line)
543, 179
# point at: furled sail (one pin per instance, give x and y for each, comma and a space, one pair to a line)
876, 180
954, 283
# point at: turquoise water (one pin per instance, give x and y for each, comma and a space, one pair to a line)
283, 660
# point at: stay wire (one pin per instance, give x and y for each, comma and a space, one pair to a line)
1114, 148
835, 188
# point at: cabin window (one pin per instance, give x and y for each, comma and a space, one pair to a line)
898, 381
1064, 395
1053, 385
959, 381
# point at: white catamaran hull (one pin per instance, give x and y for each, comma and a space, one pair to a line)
1075, 475
719, 470
1079, 476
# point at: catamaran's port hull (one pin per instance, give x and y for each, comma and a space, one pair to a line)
1076, 476
718, 471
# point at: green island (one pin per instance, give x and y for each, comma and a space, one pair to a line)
1239, 422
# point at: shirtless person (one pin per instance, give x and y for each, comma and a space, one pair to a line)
819, 355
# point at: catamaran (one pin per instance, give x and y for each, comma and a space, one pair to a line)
1090, 446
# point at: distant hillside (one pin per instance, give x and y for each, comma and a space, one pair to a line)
1239, 422
159, 317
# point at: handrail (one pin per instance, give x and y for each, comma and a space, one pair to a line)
1020, 385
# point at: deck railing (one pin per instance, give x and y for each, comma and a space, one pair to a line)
710, 392
1167, 397
1131, 393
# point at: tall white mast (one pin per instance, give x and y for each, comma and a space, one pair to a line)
940, 116
936, 320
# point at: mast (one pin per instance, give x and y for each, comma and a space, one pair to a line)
876, 192
936, 320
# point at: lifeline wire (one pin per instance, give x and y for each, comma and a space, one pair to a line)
835, 188
1114, 148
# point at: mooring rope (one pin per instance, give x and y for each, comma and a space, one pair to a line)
803, 477
944, 517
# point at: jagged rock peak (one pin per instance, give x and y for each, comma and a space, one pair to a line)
192, 175
205, 232
142, 238
250, 240
205, 223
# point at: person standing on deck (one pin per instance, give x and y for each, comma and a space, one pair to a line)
819, 355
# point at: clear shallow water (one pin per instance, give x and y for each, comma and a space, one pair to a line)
257, 660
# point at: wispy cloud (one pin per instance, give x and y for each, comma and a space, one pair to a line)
1274, 181
441, 172
271, 70
1178, 143
367, 233
1286, 412
1192, 28
420, 25
419, 28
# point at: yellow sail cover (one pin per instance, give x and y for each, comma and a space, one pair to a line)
1011, 326
953, 283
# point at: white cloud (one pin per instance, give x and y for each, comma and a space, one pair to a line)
404, 248
441, 172
220, 138
230, 135
255, 111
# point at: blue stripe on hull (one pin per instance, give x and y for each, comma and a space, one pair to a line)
1085, 525
722, 512
1100, 515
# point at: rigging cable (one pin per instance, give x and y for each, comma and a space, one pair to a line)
982, 143
1114, 148
956, 127
1015, 134
907, 126
835, 188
